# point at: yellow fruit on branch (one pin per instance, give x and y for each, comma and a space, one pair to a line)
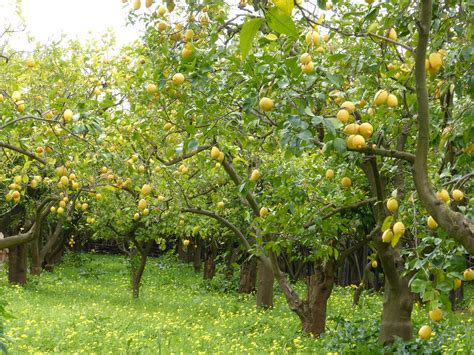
162, 25
221, 157
443, 195
349, 141
263, 212
161, 10
220, 205
68, 115
136, 216
148, 3
167, 126
307, 68
266, 104
387, 236
392, 34
374, 264
358, 142
392, 101
189, 35
146, 189
457, 284
16, 96
392, 204
136, 5
432, 224
178, 79
215, 152
468, 275
366, 130
151, 88
305, 58
64, 180
99, 197
352, 128
425, 332
398, 229
61, 171
458, 195
349, 106
380, 97
343, 115
436, 315
142, 204
329, 174
346, 182
255, 175
312, 38
185, 242
435, 60
30, 62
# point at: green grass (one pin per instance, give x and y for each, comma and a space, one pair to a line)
85, 306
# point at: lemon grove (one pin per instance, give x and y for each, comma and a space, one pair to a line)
325, 142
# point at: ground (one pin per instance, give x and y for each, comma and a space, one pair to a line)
86, 306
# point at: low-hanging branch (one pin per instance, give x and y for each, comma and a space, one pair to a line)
41, 213
182, 157
391, 153
222, 221
352, 206
22, 151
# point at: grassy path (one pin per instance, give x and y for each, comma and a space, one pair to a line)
85, 306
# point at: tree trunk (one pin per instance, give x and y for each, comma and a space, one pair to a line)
232, 256
265, 285
35, 256
363, 284
319, 290
396, 316
210, 262
137, 272
197, 263
17, 261
248, 275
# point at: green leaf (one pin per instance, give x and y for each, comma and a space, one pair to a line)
322, 4
280, 22
247, 34
418, 286
386, 223
285, 5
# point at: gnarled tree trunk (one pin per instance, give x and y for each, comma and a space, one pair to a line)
17, 262
265, 280
197, 263
248, 275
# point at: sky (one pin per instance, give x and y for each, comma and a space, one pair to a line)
47, 19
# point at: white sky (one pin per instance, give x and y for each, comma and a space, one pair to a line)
48, 19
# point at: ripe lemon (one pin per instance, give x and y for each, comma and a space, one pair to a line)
266, 104
432, 224
366, 130
436, 315
343, 115
346, 182
425, 332
329, 174
392, 204
457, 195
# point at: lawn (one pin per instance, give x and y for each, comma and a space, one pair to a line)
85, 306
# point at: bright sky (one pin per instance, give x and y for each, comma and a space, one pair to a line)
47, 19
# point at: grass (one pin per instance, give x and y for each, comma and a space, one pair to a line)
85, 306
